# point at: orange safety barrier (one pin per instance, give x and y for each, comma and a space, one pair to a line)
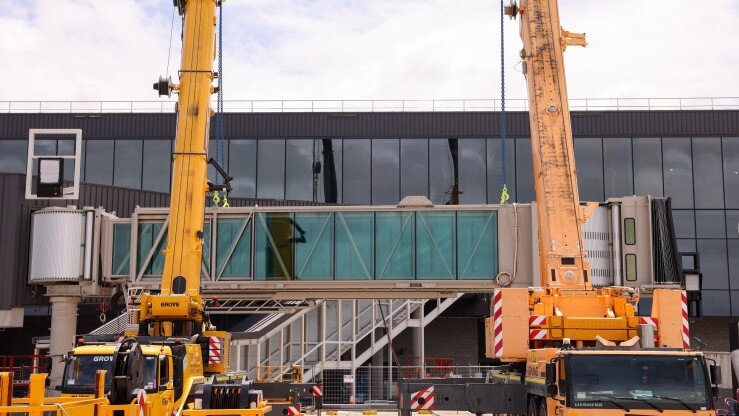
22, 366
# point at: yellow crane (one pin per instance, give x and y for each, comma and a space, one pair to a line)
176, 364
576, 345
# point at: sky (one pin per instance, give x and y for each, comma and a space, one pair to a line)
368, 49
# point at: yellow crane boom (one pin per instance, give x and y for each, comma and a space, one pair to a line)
179, 299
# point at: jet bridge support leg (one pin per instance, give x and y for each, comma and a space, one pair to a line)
63, 330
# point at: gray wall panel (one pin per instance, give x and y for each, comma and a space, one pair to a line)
421, 124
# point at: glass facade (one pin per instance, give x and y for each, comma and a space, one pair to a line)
701, 174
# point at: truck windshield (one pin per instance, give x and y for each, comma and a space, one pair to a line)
637, 381
79, 373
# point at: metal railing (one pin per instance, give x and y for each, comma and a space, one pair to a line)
353, 106
370, 386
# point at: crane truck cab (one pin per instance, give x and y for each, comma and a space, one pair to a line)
164, 373
167, 373
619, 381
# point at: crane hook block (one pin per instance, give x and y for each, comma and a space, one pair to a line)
164, 86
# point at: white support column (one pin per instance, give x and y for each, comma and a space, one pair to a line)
417, 341
63, 330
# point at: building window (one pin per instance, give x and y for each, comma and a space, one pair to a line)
128, 160
630, 231
13, 156
707, 172
648, 166
495, 169
678, 171
631, 267
441, 171
710, 224
385, 171
524, 172
157, 165
271, 168
472, 177
357, 171
618, 174
414, 167
731, 171
684, 221
714, 265
243, 167
589, 158
99, 162
299, 183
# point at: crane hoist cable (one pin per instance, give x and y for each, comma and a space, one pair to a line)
503, 129
220, 142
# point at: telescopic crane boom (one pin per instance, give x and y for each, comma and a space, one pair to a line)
565, 306
563, 260
178, 308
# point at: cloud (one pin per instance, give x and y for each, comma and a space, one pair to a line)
369, 49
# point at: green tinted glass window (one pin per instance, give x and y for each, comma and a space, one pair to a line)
233, 248
313, 245
477, 244
631, 267
273, 246
355, 237
121, 249
394, 233
630, 231
147, 235
435, 245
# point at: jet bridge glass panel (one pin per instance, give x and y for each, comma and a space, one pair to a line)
348, 245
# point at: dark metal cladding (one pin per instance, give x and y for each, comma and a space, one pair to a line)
375, 124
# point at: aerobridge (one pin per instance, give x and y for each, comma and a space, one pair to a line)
267, 259
305, 253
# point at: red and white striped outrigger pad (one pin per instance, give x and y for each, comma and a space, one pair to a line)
423, 399
293, 410
538, 334
215, 350
537, 320
648, 320
317, 390
498, 323
686, 325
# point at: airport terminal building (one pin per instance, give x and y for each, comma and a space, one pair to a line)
337, 160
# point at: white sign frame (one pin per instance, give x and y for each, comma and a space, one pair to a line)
70, 192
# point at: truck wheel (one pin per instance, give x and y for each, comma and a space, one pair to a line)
543, 407
533, 409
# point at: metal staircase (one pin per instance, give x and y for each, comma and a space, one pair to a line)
332, 334
336, 334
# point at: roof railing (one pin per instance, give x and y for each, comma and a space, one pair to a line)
354, 106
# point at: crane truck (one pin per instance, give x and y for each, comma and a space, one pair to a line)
569, 348
176, 363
